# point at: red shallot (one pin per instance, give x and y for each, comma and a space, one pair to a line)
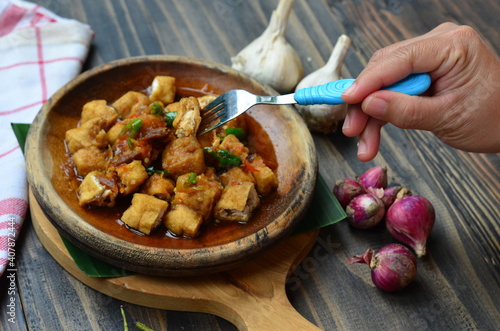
392, 268
410, 220
390, 195
375, 177
347, 189
365, 211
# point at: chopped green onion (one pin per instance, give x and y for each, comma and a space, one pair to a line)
151, 170
238, 132
130, 143
156, 108
170, 117
125, 324
142, 327
132, 127
192, 178
225, 158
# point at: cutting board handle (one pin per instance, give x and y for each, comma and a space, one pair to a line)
263, 314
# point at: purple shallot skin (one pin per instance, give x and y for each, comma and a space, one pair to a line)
390, 195
410, 220
393, 268
375, 177
345, 190
365, 211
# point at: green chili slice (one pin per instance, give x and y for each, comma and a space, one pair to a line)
170, 117
156, 108
225, 158
238, 132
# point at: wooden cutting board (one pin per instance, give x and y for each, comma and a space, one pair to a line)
252, 296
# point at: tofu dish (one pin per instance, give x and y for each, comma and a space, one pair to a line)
143, 149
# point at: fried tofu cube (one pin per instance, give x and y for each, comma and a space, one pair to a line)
188, 117
265, 178
205, 100
237, 202
200, 194
234, 146
209, 139
159, 186
97, 189
183, 155
131, 175
115, 131
183, 221
174, 106
236, 175
88, 134
99, 109
90, 159
145, 213
163, 89
131, 103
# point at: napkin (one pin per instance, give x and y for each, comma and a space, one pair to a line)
39, 52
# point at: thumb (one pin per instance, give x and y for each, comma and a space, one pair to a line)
405, 111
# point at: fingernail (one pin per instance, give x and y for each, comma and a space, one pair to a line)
361, 147
347, 122
376, 107
350, 90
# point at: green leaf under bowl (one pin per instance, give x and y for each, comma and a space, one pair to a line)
21, 131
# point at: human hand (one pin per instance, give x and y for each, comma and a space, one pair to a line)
462, 106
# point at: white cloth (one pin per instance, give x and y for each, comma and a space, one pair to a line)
39, 53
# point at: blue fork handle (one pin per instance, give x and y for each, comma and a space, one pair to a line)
331, 93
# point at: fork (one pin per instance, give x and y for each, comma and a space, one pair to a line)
235, 102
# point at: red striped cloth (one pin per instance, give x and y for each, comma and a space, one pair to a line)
39, 52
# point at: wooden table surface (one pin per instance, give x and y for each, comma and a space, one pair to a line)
458, 283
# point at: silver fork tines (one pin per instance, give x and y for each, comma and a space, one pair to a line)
232, 104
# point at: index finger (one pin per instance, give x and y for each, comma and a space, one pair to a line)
397, 61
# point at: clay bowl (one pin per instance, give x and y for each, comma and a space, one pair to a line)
277, 130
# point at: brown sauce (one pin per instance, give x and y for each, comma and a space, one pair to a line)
108, 219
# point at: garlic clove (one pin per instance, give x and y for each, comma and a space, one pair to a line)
325, 118
270, 59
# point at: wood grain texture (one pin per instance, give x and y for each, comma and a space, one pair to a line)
252, 295
458, 283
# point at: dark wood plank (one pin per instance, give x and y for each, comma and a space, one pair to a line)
458, 284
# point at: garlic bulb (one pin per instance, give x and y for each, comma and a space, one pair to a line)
270, 59
324, 118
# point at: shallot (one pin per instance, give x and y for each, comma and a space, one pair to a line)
392, 268
410, 220
390, 195
347, 189
365, 211
375, 177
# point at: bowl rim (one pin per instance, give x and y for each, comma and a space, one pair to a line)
228, 254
